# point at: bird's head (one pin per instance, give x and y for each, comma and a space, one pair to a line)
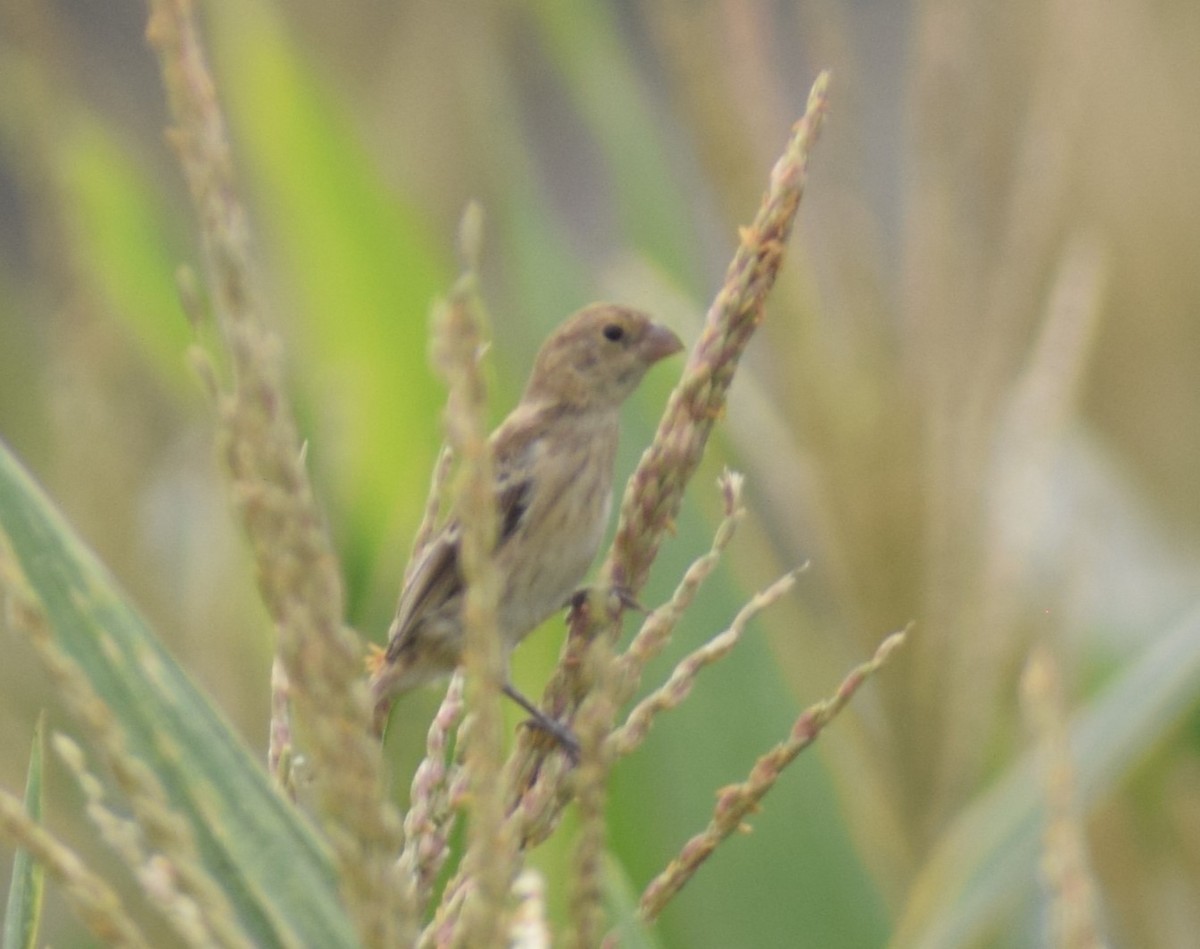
598, 356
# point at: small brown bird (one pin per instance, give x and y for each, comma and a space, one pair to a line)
553, 463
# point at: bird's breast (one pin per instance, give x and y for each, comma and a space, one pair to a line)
548, 558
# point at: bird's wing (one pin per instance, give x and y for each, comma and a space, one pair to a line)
435, 580
438, 577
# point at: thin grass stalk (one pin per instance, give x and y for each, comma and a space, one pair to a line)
152, 871
656, 630
297, 572
737, 801
430, 817
591, 779
459, 342
1073, 921
655, 491
679, 685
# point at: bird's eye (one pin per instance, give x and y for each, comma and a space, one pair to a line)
613, 333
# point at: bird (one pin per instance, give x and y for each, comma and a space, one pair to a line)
553, 462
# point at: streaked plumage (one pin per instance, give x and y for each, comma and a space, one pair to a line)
553, 467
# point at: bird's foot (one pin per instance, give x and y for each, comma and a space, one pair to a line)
623, 595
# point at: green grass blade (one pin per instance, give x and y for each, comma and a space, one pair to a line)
23, 914
264, 856
988, 860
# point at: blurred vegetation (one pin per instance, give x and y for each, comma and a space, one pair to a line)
973, 405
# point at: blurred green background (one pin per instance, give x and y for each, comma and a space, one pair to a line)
974, 403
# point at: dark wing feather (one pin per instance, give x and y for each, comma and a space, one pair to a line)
512, 502
515, 445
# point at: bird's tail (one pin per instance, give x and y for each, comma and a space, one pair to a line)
384, 674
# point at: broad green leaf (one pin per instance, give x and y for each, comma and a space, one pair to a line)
276, 874
23, 914
988, 860
359, 269
122, 238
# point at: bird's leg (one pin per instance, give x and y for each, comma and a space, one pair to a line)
539, 719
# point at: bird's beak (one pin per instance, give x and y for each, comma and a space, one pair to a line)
659, 343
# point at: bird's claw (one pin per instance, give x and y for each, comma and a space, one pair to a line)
559, 732
624, 596
538, 719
